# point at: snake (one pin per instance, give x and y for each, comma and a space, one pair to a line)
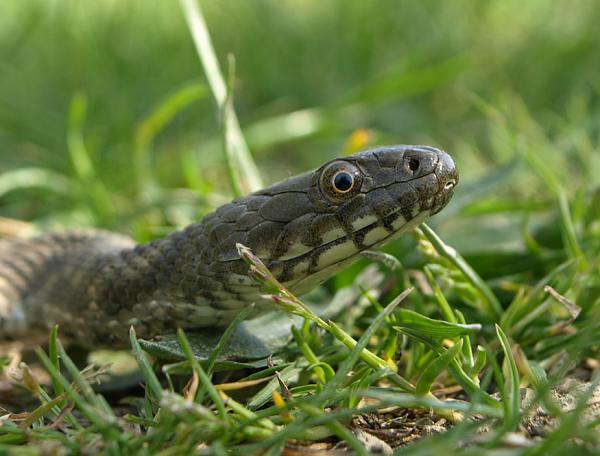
96, 284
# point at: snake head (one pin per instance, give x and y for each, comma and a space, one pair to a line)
316, 223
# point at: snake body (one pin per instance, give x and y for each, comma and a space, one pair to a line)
96, 284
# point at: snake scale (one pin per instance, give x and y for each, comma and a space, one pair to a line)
96, 284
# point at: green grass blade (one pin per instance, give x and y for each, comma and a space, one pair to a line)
512, 395
147, 371
204, 379
104, 423
435, 368
84, 386
568, 229
53, 355
310, 356
82, 162
32, 177
245, 177
354, 355
493, 306
265, 394
241, 316
409, 320
154, 123
480, 359
445, 308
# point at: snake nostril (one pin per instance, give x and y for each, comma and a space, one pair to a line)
451, 183
413, 164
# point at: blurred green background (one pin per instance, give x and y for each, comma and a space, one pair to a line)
106, 119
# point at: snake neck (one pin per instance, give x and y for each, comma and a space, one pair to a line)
96, 284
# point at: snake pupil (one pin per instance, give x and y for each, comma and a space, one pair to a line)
343, 181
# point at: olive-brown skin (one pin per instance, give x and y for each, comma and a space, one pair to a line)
97, 284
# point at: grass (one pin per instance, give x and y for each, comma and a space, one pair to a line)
505, 288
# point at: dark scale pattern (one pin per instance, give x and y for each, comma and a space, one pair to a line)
97, 284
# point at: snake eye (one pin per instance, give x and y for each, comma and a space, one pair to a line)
343, 181
339, 181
